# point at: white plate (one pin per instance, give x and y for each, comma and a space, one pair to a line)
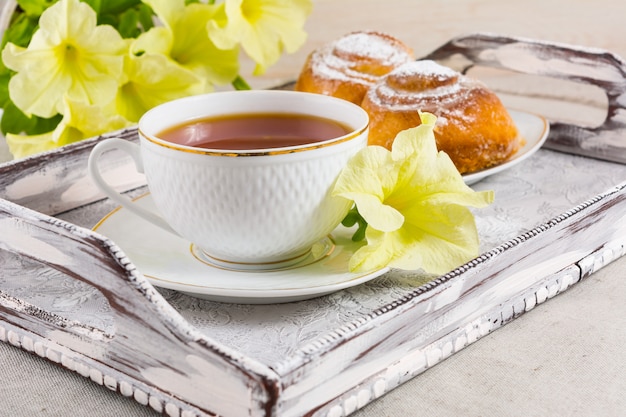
531, 127
169, 261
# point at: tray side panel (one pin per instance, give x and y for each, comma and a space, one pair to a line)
359, 362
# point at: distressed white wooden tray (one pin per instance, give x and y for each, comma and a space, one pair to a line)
71, 296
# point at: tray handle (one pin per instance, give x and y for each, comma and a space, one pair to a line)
151, 352
592, 66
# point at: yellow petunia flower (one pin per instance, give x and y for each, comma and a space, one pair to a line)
68, 55
153, 79
184, 39
80, 121
263, 27
415, 203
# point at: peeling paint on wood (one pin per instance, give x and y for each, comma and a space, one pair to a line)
57, 180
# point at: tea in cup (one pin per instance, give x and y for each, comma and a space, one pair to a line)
246, 176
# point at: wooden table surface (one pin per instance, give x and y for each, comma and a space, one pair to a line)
566, 357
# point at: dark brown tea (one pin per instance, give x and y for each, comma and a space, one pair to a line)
254, 131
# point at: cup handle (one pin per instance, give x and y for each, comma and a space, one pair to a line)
134, 151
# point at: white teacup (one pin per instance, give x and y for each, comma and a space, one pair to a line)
245, 209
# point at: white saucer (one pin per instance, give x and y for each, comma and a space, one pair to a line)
169, 261
533, 128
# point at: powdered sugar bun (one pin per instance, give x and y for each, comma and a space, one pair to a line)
473, 126
350, 65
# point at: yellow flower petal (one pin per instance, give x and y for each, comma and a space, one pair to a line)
265, 28
185, 40
156, 41
366, 181
195, 50
22, 146
220, 30
380, 216
362, 175
81, 121
154, 79
375, 255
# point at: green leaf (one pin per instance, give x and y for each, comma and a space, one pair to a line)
117, 6
145, 16
240, 84
35, 8
359, 235
14, 121
354, 217
5, 76
128, 24
95, 4
108, 19
21, 30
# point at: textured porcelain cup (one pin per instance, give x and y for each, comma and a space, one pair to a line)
245, 209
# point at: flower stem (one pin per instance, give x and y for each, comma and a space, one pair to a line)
240, 84
354, 217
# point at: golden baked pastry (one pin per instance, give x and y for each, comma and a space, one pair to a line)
349, 66
473, 126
